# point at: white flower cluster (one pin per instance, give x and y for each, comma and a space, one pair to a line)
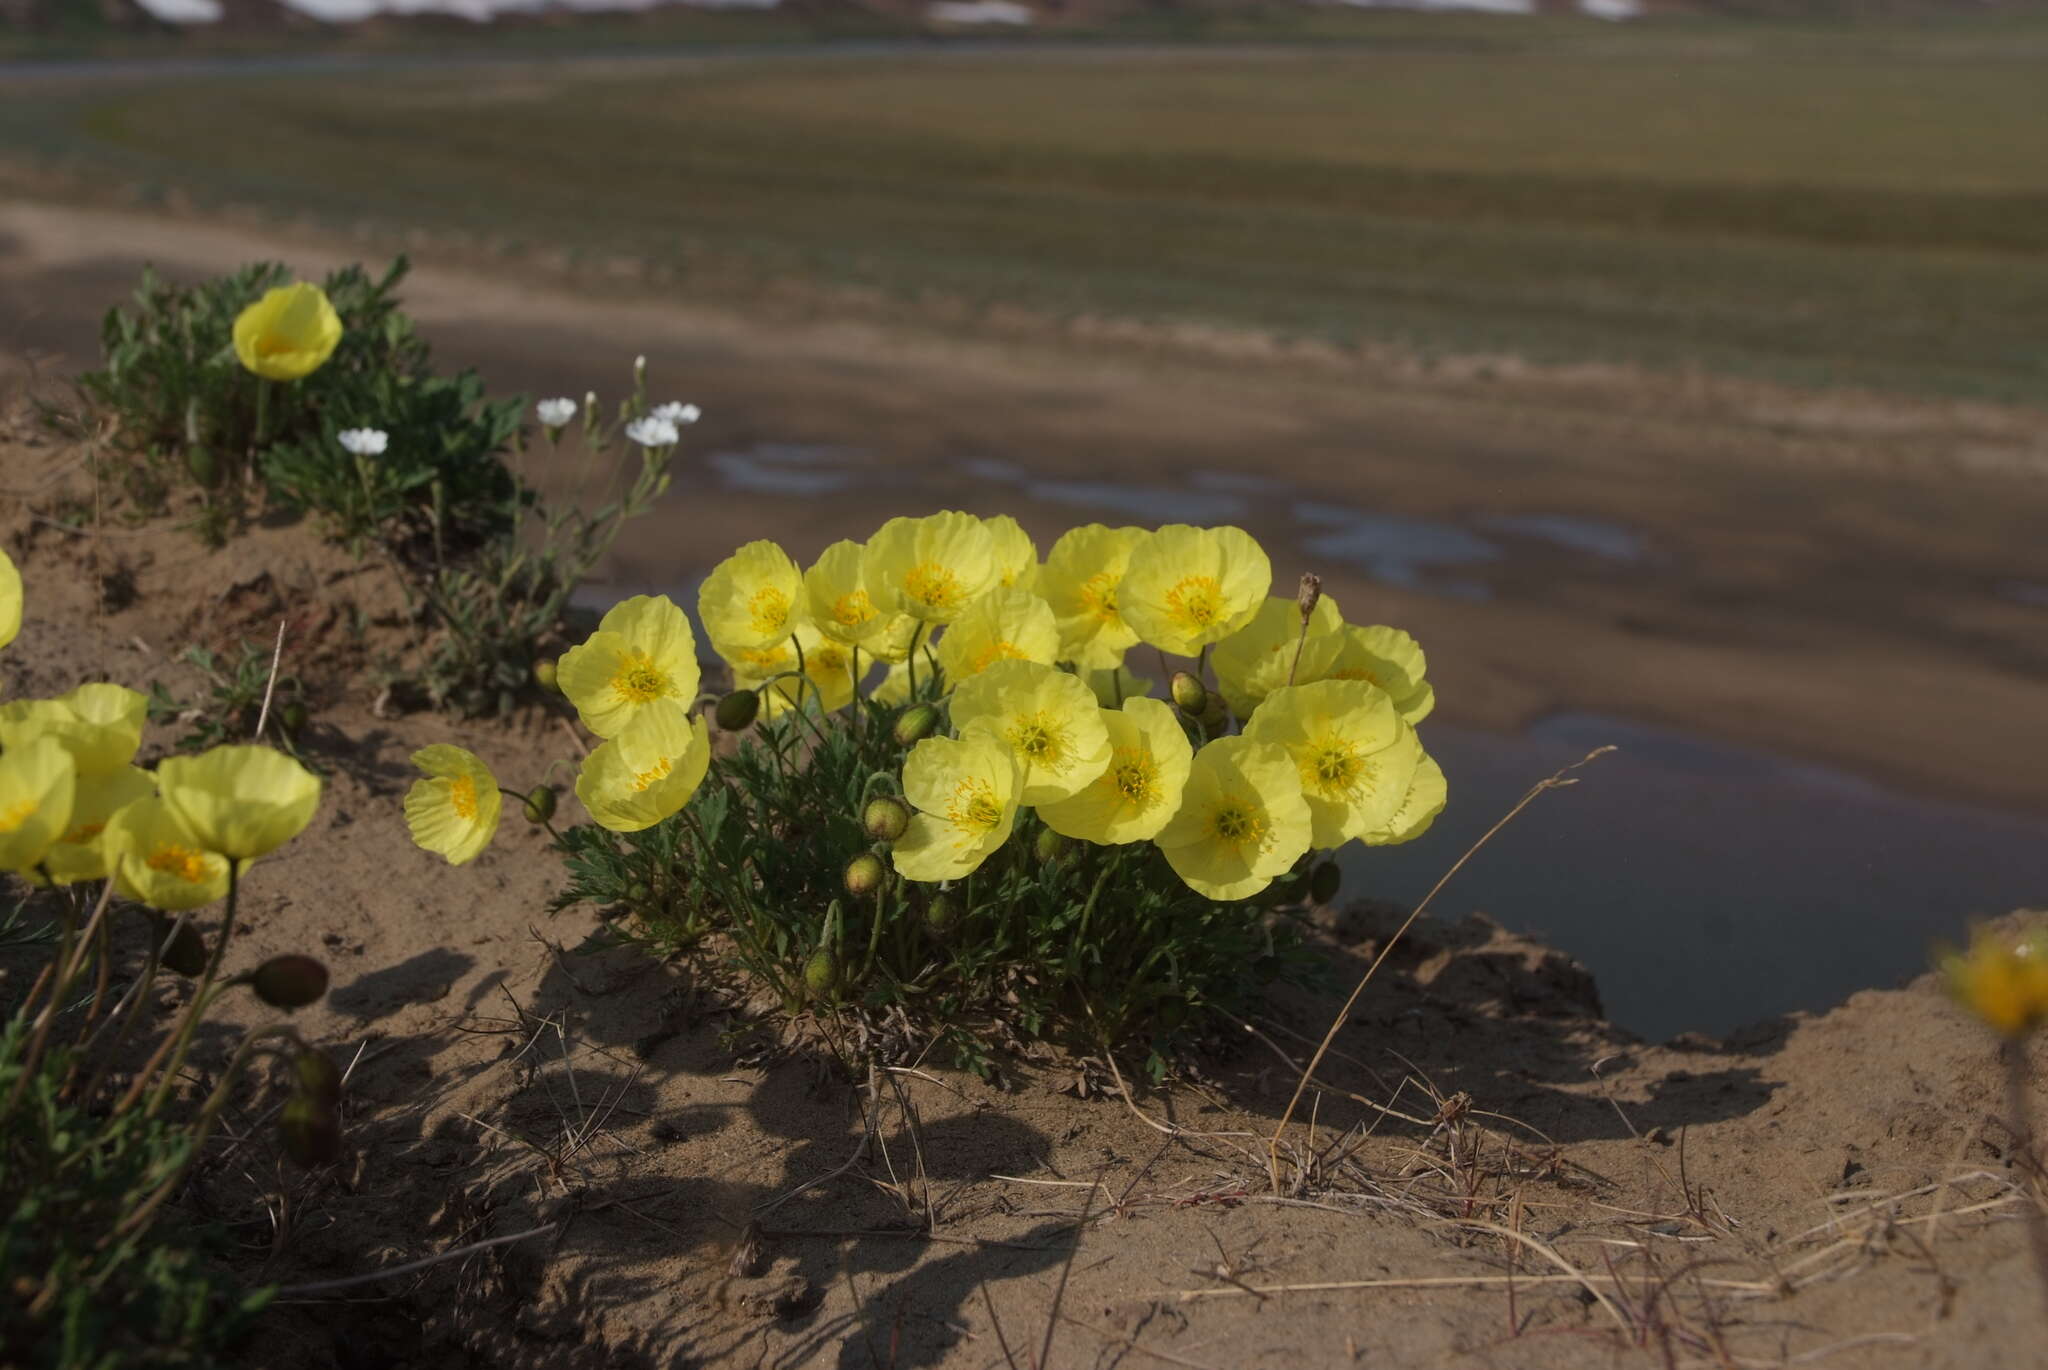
555, 413
364, 442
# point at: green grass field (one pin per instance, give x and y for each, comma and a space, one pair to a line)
1868, 212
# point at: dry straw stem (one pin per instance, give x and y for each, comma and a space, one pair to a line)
1557, 781
291, 1291
270, 685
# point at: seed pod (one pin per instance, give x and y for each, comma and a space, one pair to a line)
312, 1130
638, 894
544, 675
1188, 695
821, 973
915, 724
318, 1077
1311, 590
864, 874
186, 953
292, 718
1049, 846
289, 981
942, 916
1324, 882
540, 804
885, 819
736, 710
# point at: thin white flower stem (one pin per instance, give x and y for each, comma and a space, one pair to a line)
269, 686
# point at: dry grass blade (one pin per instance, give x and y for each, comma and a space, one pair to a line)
270, 685
352, 1281
1556, 781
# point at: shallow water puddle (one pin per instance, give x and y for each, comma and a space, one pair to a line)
1706, 885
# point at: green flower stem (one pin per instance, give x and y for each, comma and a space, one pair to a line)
875, 930
1080, 938
910, 660
188, 1027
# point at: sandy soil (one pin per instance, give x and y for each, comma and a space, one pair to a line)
1829, 575
1487, 1175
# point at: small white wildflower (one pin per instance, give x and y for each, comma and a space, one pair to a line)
654, 431
677, 413
640, 369
364, 442
555, 413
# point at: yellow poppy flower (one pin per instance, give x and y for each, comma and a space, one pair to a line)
1255, 660
38, 782
289, 333
1080, 579
2001, 979
965, 794
1386, 657
1242, 821
455, 810
931, 568
1047, 718
1015, 553
1113, 687
241, 801
159, 862
892, 643
1188, 587
10, 600
1427, 794
642, 653
647, 772
838, 600
1355, 755
1140, 789
81, 853
1003, 625
827, 673
99, 724
753, 599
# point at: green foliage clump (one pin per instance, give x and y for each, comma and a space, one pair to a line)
191, 417
1100, 947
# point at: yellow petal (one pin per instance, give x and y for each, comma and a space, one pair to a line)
647, 772
1139, 791
289, 333
1049, 719
81, 853
10, 600
240, 801
159, 862
752, 599
455, 810
38, 782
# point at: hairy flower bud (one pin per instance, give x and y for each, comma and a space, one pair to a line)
1213, 715
540, 804
821, 973
1324, 882
289, 981
544, 675
1049, 846
186, 953
1188, 695
318, 1076
1311, 591
885, 819
312, 1130
864, 874
915, 724
736, 710
942, 916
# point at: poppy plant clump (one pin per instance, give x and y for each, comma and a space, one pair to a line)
944, 784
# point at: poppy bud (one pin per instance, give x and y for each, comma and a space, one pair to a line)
318, 1077
289, 981
864, 874
1049, 846
544, 675
292, 717
1188, 695
736, 710
821, 973
942, 916
1324, 882
915, 724
540, 804
186, 953
885, 819
312, 1130
1213, 715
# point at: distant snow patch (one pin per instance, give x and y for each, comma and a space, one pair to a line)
1476, 6
477, 11
978, 12
183, 11
1611, 9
